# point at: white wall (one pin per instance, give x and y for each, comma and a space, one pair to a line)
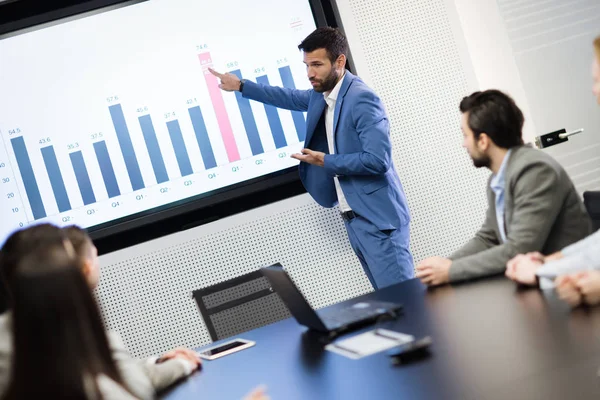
491, 54
552, 46
540, 53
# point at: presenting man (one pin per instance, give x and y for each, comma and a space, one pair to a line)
532, 203
348, 154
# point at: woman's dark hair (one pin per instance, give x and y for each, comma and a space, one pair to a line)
330, 39
21, 244
79, 239
60, 345
495, 114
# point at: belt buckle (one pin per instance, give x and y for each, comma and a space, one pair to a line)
348, 215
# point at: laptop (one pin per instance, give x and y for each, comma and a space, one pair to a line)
332, 321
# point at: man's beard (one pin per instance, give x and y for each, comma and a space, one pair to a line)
481, 161
328, 83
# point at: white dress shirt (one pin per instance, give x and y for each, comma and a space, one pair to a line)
330, 99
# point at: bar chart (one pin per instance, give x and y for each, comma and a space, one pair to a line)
104, 158
135, 123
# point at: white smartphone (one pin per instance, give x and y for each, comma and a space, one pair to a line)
226, 348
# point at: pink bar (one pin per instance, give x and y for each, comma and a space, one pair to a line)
219, 105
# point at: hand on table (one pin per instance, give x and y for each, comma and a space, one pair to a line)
588, 284
258, 393
185, 354
434, 271
522, 268
567, 290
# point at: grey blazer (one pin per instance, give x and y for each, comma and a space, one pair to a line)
542, 212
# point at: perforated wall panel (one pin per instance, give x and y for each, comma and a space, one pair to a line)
145, 291
410, 53
407, 51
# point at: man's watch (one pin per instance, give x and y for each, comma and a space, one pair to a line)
242, 81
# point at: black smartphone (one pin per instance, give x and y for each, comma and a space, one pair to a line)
413, 347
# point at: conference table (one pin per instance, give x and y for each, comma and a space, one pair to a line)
491, 340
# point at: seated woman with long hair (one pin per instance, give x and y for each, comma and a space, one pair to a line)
60, 345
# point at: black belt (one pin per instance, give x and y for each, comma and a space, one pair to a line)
349, 215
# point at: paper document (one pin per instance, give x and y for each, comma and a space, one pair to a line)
369, 343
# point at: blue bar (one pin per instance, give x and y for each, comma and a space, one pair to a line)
156, 158
183, 160
106, 168
273, 117
248, 119
131, 162
56, 179
297, 116
83, 178
31, 186
202, 137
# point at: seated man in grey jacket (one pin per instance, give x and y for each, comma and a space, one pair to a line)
532, 203
142, 377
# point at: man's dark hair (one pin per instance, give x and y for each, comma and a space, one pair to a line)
495, 114
330, 39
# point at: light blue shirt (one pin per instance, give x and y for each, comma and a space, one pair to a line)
497, 186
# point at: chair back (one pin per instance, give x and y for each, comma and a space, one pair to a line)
238, 305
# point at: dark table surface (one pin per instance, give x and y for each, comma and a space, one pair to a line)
491, 340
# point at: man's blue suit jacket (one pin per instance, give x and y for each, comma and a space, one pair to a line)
363, 151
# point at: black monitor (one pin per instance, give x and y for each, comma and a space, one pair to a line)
110, 119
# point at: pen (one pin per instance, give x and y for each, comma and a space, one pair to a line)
395, 339
346, 349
